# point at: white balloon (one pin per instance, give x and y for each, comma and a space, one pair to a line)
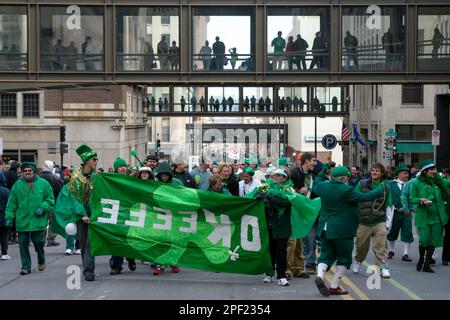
71, 229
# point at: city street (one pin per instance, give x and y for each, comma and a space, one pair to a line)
406, 283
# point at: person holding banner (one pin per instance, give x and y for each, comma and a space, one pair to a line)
120, 167
215, 185
278, 215
165, 176
338, 222
248, 184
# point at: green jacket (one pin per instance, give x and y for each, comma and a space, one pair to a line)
24, 199
419, 190
340, 211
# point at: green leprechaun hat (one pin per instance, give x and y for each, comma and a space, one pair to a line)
85, 153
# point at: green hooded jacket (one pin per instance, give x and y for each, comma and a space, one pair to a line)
24, 199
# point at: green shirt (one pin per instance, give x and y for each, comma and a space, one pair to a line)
278, 44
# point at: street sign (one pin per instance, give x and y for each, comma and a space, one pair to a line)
234, 152
193, 161
329, 141
435, 137
387, 155
1, 146
51, 147
391, 133
390, 142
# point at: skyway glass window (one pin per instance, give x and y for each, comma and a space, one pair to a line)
373, 40
433, 38
148, 39
71, 38
298, 39
13, 38
223, 39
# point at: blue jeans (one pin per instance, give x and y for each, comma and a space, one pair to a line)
88, 260
70, 241
310, 245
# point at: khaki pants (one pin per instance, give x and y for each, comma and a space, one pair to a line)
378, 234
295, 258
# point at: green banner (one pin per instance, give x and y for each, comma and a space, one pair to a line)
174, 225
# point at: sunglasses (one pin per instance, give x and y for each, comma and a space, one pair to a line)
95, 159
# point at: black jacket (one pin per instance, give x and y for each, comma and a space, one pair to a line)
298, 179
11, 177
54, 181
186, 178
4, 194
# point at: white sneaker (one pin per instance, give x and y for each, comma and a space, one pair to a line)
5, 257
267, 279
283, 282
68, 252
356, 266
78, 251
385, 273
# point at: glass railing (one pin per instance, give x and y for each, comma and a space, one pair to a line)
316, 59
434, 54
13, 61
147, 62
72, 62
223, 62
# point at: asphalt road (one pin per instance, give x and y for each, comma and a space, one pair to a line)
406, 283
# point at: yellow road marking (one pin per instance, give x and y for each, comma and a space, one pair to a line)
399, 286
353, 286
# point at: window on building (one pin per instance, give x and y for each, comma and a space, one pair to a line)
412, 94
307, 28
414, 132
13, 38
223, 38
156, 100
165, 124
188, 98
433, 45
31, 105
69, 44
381, 47
165, 19
140, 31
8, 105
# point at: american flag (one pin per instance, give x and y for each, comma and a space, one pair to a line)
345, 134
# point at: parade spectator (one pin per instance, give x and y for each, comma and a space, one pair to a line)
211, 104
319, 51
163, 53
4, 230
351, 47
205, 55
182, 103
71, 56
290, 52
216, 185
179, 172
300, 47
228, 179
436, 42
174, 53
145, 173
233, 57
149, 58
152, 162
201, 175
355, 176
267, 103
446, 248
248, 183
218, 49
278, 45
29, 202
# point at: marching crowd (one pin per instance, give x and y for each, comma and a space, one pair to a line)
356, 212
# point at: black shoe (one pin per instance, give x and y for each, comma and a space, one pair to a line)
391, 254
419, 264
114, 271
89, 277
24, 272
406, 258
322, 287
132, 265
427, 268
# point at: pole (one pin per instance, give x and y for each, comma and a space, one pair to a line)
315, 135
62, 156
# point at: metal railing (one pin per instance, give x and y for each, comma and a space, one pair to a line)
148, 62
216, 62
71, 62
13, 61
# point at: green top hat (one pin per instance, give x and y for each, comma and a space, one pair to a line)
426, 165
249, 170
400, 168
283, 161
340, 171
85, 153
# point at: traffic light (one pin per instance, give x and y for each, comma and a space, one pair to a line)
158, 146
63, 148
62, 134
394, 149
386, 143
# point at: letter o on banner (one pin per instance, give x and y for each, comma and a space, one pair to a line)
255, 243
